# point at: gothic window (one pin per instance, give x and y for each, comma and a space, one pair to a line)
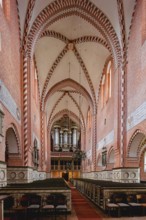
0, 41
35, 155
102, 91
106, 85
5, 4
108, 79
35, 85
104, 156
89, 118
143, 21
1, 3
145, 162
1, 122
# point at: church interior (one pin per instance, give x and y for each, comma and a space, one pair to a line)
73, 102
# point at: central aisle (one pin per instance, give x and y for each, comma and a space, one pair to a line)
82, 207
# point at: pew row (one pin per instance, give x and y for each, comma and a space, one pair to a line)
116, 196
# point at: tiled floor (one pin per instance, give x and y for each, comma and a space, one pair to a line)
73, 216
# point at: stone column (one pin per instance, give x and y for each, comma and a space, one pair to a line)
26, 111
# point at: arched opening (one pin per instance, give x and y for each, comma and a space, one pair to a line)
135, 144
11, 143
35, 155
111, 159
137, 152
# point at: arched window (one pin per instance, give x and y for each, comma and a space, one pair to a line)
143, 21
35, 82
1, 3
106, 85
35, 85
108, 76
145, 161
0, 41
1, 120
5, 5
89, 118
102, 91
35, 154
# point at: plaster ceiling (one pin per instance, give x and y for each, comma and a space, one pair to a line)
77, 62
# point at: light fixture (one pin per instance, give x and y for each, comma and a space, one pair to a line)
79, 154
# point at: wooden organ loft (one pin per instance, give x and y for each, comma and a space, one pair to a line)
65, 141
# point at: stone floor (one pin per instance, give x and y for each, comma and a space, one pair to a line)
73, 216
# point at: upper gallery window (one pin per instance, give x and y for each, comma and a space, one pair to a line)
89, 118
1, 3
0, 41
1, 122
145, 162
5, 4
106, 85
143, 22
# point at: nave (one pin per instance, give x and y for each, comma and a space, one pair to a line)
81, 209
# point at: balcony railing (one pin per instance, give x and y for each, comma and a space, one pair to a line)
63, 167
61, 154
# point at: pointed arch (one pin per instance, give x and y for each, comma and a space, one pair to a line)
111, 155
73, 84
12, 140
61, 113
135, 143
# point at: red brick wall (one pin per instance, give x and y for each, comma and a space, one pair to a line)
107, 116
136, 74
136, 71
10, 62
35, 106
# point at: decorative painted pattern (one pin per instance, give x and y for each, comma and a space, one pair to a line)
42, 139
79, 109
123, 84
54, 34
84, 7
81, 62
133, 14
136, 116
8, 101
25, 109
18, 22
71, 83
57, 61
94, 39
109, 138
55, 106
27, 23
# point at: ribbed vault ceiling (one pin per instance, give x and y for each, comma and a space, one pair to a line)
71, 50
